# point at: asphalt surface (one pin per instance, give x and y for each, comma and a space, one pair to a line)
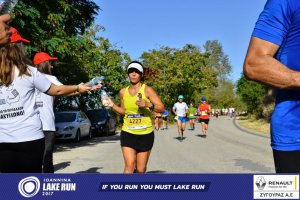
228, 148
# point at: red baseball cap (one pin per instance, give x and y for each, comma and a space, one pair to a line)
16, 37
42, 57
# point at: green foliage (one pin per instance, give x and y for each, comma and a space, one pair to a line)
239, 105
95, 56
217, 59
221, 96
267, 105
104, 59
252, 94
51, 25
179, 71
190, 72
64, 29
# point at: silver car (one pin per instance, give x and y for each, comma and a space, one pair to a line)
72, 125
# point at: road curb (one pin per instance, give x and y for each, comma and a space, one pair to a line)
248, 130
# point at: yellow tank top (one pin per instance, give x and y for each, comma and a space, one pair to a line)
136, 120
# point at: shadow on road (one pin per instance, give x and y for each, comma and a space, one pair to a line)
179, 138
91, 170
250, 165
190, 129
156, 172
202, 136
62, 146
61, 165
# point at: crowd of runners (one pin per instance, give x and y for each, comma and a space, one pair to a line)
184, 113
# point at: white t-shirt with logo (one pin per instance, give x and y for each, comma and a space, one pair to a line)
19, 118
45, 103
180, 108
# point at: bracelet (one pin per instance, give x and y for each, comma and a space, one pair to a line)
77, 88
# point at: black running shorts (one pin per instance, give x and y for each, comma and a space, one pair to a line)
286, 161
206, 121
140, 143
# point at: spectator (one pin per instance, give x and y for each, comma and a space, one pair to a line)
22, 139
43, 62
273, 59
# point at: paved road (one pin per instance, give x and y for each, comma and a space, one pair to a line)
226, 149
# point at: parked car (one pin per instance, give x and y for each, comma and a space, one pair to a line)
72, 125
104, 121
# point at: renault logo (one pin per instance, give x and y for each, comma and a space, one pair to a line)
260, 183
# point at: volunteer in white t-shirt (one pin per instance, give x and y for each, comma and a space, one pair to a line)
180, 109
45, 103
21, 136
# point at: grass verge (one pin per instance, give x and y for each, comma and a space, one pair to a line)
255, 125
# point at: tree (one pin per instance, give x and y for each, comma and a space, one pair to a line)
51, 25
252, 94
179, 71
217, 59
96, 57
64, 29
221, 96
190, 72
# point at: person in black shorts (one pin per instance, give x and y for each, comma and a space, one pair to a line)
157, 120
137, 102
204, 111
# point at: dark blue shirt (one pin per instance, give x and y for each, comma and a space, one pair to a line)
279, 23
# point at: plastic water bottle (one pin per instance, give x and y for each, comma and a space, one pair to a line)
139, 96
7, 5
103, 96
95, 81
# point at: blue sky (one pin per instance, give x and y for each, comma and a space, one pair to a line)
135, 26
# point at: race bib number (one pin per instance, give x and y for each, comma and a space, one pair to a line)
135, 122
203, 113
